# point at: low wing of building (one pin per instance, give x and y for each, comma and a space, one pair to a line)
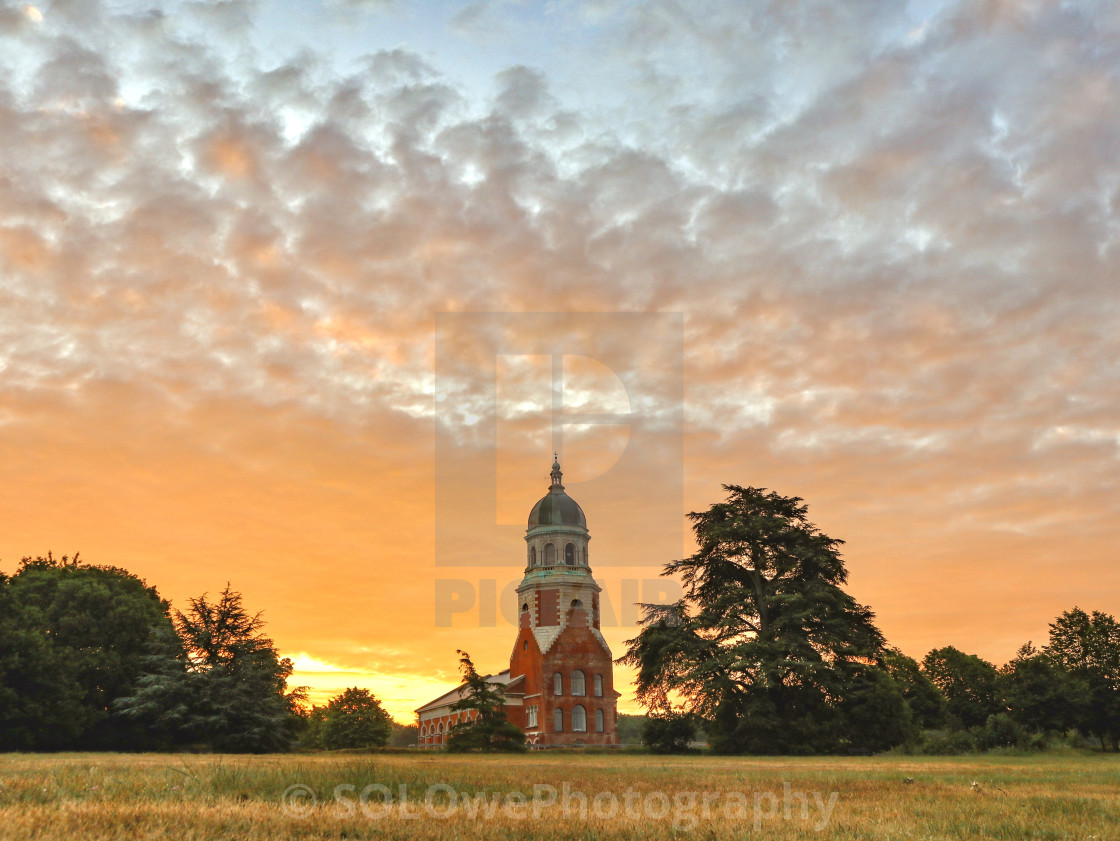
436, 717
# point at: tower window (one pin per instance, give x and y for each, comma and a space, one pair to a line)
585, 556
598, 721
598, 686
558, 684
549, 554
579, 719
577, 604
570, 554
578, 685
532, 556
558, 721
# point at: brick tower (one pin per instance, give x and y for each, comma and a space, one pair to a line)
564, 662
559, 687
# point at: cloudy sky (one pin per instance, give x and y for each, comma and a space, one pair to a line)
863, 253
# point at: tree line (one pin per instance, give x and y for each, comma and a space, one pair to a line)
92, 658
766, 653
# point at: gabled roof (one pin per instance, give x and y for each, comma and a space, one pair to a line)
501, 679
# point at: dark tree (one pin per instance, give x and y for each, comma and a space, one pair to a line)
355, 719
227, 688
669, 732
40, 698
969, 684
925, 700
1041, 694
74, 638
1088, 647
765, 645
876, 714
489, 729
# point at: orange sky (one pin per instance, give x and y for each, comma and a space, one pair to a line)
886, 245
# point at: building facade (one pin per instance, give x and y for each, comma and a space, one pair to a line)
559, 687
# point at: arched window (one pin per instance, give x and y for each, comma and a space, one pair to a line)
558, 721
585, 556
532, 556
524, 607
423, 730
570, 554
576, 603
525, 645
598, 686
579, 719
558, 684
549, 554
578, 685
598, 721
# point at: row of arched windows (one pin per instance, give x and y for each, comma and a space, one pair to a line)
579, 720
436, 728
577, 684
572, 555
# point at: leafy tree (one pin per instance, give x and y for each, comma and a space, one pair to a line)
40, 698
669, 732
1088, 646
75, 639
969, 684
1040, 692
313, 720
489, 729
1000, 731
355, 719
925, 700
876, 713
227, 687
765, 645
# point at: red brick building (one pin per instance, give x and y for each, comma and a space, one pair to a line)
559, 687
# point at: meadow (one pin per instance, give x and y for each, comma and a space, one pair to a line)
409, 795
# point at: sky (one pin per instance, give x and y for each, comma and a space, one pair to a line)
303, 296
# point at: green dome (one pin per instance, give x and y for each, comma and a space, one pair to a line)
556, 508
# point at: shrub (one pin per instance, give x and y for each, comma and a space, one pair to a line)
1000, 731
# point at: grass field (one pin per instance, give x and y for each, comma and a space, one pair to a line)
556, 795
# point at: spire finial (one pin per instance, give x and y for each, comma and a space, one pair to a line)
556, 474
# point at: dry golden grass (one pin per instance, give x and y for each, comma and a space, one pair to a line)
111, 796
